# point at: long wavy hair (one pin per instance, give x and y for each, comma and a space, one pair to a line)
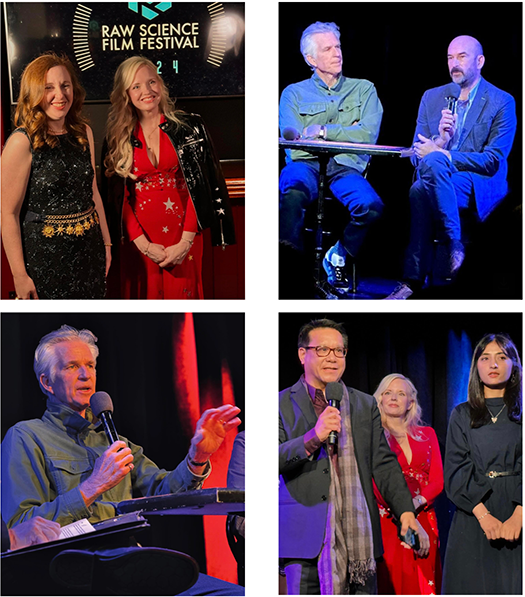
29, 113
479, 414
122, 116
413, 421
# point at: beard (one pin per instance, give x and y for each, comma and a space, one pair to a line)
460, 77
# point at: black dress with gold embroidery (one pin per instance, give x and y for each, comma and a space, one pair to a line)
63, 246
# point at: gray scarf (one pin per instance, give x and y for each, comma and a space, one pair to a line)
347, 555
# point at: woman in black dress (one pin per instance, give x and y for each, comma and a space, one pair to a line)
483, 476
54, 227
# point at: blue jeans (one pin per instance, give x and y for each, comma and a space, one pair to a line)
298, 187
436, 200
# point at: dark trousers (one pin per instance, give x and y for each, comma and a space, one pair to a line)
298, 187
436, 200
302, 578
208, 585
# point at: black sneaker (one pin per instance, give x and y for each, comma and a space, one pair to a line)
125, 571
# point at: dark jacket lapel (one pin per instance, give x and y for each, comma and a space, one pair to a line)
478, 105
300, 396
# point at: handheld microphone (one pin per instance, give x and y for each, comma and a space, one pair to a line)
452, 93
102, 407
291, 134
334, 394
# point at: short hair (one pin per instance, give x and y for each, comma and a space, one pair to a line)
304, 333
45, 361
308, 46
479, 414
413, 419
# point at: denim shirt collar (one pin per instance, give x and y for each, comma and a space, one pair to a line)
64, 416
320, 83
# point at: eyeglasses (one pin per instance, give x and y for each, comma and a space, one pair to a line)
324, 351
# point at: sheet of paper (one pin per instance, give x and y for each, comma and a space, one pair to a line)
80, 527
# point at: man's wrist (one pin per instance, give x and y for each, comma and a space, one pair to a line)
322, 132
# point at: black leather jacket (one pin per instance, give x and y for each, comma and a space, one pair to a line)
203, 176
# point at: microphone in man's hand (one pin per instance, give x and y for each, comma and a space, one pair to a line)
452, 93
102, 407
291, 134
334, 394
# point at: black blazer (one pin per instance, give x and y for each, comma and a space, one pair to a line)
305, 482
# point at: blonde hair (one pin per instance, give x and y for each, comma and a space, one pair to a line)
122, 116
413, 421
29, 113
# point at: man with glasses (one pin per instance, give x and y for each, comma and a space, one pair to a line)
329, 527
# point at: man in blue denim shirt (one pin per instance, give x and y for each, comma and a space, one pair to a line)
461, 162
61, 468
333, 107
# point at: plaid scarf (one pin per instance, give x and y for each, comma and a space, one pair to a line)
347, 555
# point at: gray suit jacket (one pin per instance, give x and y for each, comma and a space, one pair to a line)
485, 143
305, 482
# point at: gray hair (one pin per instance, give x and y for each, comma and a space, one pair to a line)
308, 46
45, 358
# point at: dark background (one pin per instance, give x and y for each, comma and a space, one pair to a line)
135, 366
402, 49
36, 27
223, 114
434, 350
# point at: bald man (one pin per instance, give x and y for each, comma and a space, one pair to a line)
461, 164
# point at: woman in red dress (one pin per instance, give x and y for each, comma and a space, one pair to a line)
402, 572
174, 187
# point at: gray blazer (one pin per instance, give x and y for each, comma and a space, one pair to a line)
305, 482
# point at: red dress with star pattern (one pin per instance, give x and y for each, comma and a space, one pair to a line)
400, 572
161, 210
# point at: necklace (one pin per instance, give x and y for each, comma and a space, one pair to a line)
492, 417
51, 132
148, 138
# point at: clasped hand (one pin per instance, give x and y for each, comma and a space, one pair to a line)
494, 529
175, 254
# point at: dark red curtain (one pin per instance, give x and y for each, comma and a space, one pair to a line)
192, 402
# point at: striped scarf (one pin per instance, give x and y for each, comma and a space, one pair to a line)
347, 555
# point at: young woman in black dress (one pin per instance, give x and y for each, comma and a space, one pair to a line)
53, 223
483, 476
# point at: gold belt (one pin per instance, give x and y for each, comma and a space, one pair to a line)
71, 224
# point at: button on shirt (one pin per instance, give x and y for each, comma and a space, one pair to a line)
463, 106
337, 108
311, 442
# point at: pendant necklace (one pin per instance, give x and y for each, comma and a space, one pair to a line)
492, 417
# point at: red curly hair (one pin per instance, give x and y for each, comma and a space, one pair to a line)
29, 113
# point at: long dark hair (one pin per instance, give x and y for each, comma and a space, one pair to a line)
479, 414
